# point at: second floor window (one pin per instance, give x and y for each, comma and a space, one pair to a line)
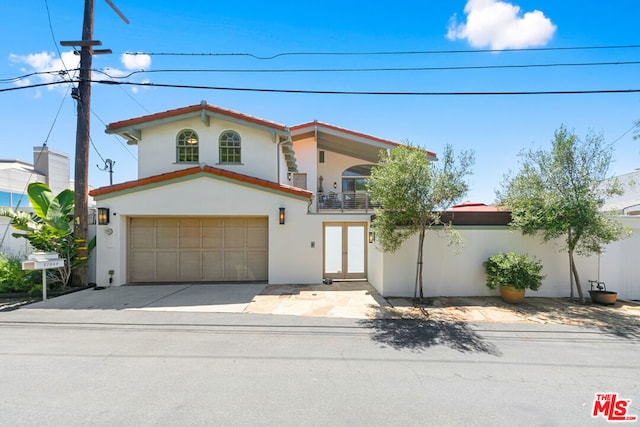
187, 150
230, 147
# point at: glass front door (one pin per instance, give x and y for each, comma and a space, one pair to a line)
345, 250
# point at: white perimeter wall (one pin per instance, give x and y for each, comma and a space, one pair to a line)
448, 274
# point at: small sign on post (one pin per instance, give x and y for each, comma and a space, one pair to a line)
43, 261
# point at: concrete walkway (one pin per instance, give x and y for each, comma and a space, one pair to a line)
356, 300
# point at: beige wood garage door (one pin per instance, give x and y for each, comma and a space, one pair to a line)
215, 249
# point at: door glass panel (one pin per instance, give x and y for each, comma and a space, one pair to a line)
355, 249
333, 249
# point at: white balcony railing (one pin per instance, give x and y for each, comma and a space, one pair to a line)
343, 202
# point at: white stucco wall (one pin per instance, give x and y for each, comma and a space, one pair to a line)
619, 264
332, 168
291, 257
12, 247
448, 274
307, 158
157, 150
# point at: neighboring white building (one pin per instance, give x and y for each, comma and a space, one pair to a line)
223, 196
49, 167
629, 202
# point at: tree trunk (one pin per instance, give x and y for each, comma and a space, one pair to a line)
574, 271
420, 257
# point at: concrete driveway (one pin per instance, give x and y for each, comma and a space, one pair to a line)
357, 300
349, 300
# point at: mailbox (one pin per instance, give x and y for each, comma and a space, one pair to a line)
43, 261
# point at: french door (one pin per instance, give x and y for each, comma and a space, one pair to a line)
345, 250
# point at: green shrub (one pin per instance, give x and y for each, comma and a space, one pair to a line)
513, 269
13, 279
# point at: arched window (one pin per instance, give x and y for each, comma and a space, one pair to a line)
354, 179
187, 150
229, 144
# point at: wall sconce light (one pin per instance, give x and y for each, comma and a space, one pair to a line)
335, 185
103, 216
281, 216
372, 237
289, 176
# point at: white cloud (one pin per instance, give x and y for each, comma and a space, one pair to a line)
500, 25
52, 68
136, 62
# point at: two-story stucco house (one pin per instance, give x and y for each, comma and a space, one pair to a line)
222, 196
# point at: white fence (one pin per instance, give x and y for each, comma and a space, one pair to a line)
20, 248
450, 274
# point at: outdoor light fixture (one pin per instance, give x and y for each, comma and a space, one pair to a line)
372, 237
281, 216
103, 216
335, 185
289, 176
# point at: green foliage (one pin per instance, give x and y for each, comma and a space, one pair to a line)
412, 191
560, 193
13, 279
513, 269
49, 228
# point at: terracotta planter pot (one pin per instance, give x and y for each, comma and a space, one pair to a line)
603, 297
511, 295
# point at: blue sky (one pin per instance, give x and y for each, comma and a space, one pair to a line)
495, 127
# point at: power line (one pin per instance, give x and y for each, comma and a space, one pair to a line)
347, 70
424, 52
335, 92
35, 73
53, 37
35, 85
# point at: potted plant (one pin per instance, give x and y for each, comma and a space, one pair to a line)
513, 273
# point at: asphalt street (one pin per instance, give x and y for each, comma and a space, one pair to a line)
133, 368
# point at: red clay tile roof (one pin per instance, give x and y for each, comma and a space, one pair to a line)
474, 207
195, 170
311, 125
113, 127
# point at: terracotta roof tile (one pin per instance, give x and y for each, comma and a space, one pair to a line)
198, 169
115, 126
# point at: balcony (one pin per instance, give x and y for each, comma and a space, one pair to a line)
343, 202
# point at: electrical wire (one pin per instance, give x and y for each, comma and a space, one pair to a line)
348, 70
635, 126
336, 92
425, 52
35, 73
115, 136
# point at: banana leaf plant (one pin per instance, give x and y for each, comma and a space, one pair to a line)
49, 228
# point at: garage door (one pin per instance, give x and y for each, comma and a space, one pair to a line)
212, 249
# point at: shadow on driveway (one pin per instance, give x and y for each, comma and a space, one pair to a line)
420, 334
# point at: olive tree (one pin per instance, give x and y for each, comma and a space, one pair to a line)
560, 192
411, 191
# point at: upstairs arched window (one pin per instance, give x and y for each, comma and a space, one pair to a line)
187, 147
229, 145
354, 179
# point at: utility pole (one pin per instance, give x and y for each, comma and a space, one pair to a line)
83, 128
81, 176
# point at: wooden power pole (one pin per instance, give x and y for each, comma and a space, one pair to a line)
81, 176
